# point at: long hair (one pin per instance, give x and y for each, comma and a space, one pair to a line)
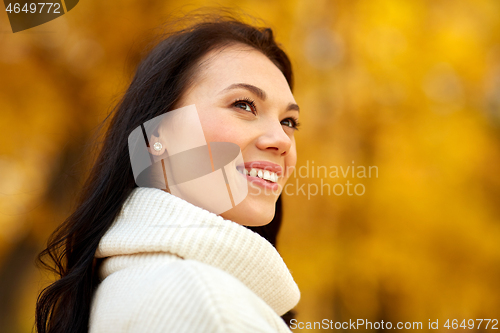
160, 79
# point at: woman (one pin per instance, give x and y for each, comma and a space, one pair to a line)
137, 259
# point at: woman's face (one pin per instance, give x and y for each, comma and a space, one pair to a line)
243, 98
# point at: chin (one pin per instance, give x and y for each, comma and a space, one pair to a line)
251, 214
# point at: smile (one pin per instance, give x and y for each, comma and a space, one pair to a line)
270, 176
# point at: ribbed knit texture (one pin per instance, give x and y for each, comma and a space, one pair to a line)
174, 267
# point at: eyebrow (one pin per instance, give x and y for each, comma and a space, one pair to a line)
261, 94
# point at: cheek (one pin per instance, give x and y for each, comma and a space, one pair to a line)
291, 160
222, 129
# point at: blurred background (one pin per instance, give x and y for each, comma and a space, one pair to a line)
411, 87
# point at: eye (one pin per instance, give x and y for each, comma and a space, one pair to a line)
245, 104
290, 122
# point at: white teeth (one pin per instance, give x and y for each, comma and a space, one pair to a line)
274, 177
264, 174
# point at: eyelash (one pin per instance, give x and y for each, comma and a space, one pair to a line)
251, 103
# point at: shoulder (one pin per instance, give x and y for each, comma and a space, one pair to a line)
183, 295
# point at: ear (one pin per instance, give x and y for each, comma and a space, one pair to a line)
156, 146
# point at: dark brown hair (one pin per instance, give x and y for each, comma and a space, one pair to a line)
160, 79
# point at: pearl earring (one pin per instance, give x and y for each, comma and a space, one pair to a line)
157, 146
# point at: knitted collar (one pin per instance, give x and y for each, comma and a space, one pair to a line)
152, 220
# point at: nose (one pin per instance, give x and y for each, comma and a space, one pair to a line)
273, 138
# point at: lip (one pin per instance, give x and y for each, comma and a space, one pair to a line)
261, 182
264, 165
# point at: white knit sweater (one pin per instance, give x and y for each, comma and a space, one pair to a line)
174, 267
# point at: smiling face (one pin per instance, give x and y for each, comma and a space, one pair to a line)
243, 98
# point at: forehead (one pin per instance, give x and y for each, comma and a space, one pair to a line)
241, 64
